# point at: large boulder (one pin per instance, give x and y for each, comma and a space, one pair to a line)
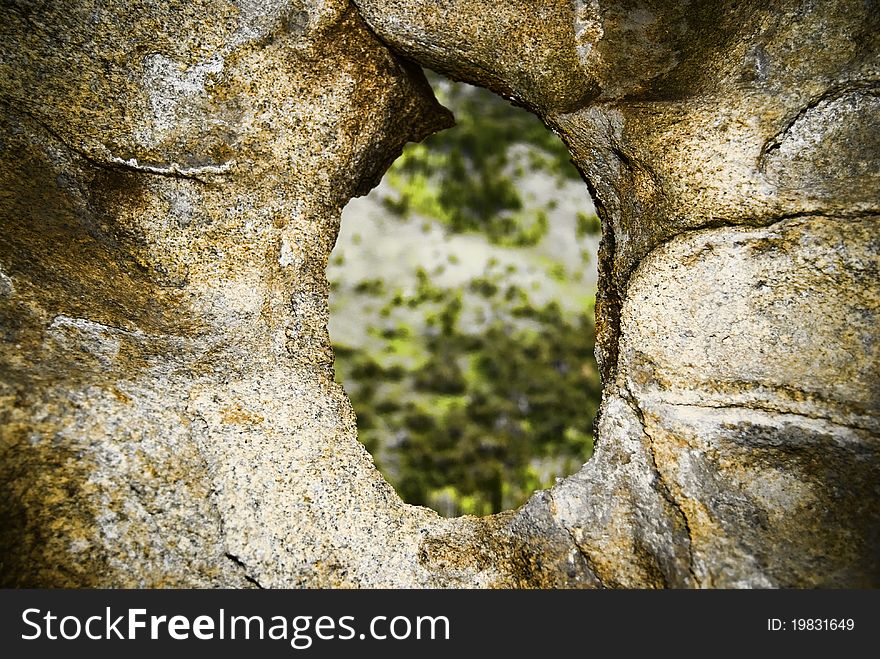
172, 178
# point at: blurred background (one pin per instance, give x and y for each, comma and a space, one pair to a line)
461, 312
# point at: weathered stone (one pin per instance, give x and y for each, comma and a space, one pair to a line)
172, 176
763, 429
526, 50
740, 424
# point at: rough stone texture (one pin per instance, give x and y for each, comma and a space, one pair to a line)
732, 149
172, 175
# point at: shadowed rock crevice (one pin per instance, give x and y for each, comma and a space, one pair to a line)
664, 489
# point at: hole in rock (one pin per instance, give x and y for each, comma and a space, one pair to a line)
461, 313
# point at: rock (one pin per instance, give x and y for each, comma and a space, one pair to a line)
172, 180
763, 422
732, 153
527, 51
169, 416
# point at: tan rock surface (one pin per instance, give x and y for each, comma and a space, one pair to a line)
732, 151
172, 176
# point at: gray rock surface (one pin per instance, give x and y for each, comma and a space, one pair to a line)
172, 177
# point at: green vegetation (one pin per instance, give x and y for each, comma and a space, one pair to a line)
588, 225
482, 419
472, 396
465, 177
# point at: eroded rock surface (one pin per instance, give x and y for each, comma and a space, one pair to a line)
172, 178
